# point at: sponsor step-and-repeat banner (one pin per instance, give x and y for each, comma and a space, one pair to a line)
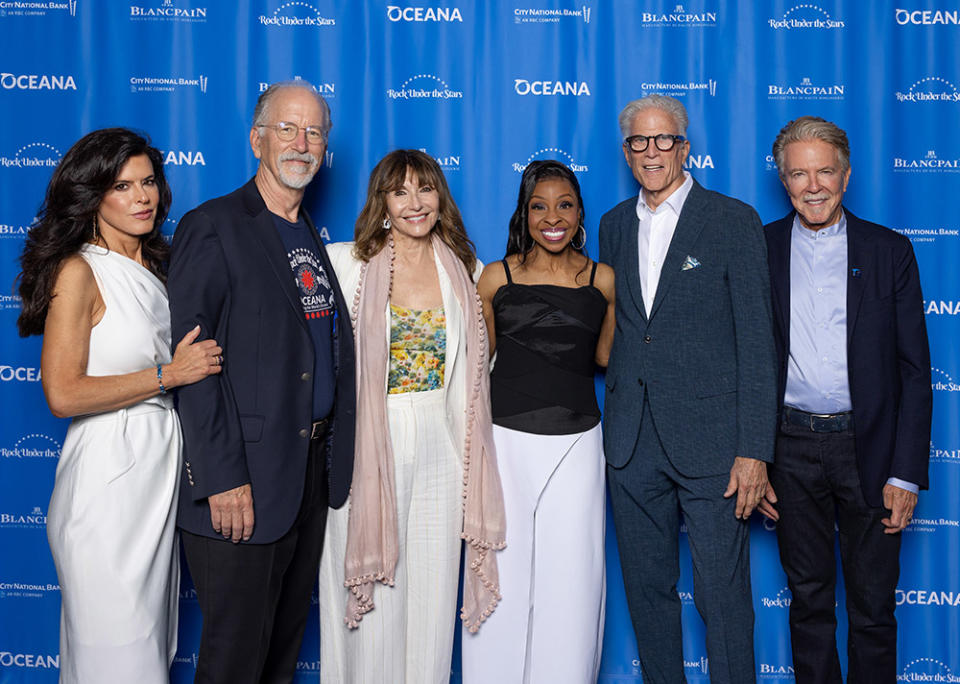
485, 88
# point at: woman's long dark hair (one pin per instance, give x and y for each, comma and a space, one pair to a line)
518, 237
66, 219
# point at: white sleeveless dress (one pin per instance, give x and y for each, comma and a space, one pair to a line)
112, 517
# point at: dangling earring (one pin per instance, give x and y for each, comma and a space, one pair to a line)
386, 223
582, 234
96, 232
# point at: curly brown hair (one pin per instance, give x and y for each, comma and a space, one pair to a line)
388, 175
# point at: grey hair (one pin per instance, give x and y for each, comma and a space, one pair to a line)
670, 105
262, 109
812, 128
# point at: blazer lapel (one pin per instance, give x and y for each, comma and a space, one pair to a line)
781, 236
856, 272
629, 225
693, 218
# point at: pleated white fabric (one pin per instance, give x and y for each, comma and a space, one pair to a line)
549, 626
408, 637
111, 521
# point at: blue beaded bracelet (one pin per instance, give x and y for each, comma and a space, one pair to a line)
163, 390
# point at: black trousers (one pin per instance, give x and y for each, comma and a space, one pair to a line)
817, 483
255, 598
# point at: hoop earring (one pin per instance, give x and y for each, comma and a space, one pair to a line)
386, 223
582, 234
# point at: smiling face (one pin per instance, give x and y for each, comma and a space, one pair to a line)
815, 181
414, 208
292, 164
129, 207
553, 214
660, 173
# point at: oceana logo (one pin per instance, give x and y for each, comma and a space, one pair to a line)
927, 17
19, 374
10, 81
183, 158
396, 13
941, 307
29, 660
927, 597
576, 88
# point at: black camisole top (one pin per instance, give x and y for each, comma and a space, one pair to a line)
542, 379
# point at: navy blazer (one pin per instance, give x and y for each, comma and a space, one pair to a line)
251, 423
888, 358
704, 358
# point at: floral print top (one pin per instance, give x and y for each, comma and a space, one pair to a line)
418, 345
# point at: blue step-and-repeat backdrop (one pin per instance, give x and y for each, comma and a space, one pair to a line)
485, 87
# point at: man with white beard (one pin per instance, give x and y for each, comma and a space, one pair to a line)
268, 444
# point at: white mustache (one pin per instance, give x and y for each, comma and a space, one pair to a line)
292, 155
814, 198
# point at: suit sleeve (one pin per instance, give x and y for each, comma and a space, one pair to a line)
604, 238
749, 282
914, 413
199, 290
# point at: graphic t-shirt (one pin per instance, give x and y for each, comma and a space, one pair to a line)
319, 308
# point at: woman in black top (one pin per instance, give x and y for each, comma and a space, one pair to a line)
549, 312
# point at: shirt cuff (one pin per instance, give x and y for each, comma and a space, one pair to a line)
903, 484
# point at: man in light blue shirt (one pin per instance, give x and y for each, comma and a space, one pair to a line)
854, 435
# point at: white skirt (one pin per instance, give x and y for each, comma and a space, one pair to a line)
408, 637
549, 625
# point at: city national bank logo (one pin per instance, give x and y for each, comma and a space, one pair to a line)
450, 162
929, 163
191, 659
10, 81
576, 88
805, 16
805, 90
920, 523
783, 599
30, 660
167, 11
33, 446
33, 156
700, 667
928, 235
679, 89
940, 380
327, 90
420, 14
938, 455
927, 670
153, 84
424, 87
27, 590
10, 302
927, 597
296, 14
551, 153
773, 672
35, 519
930, 89
678, 17
538, 15
21, 8
927, 17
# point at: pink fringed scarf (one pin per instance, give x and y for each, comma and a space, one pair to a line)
372, 538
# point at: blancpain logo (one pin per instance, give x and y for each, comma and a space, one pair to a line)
576, 88
27, 589
424, 87
35, 445
702, 666
19, 374
30, 660
154, 84
927, 17
34, 519
929, 163
783, 599
183, 158
678, 17
24, 8
772, 671
551, 153
677, 89
327, 90
14, 231
450, 162
940, 380
928, 235
10, 81
537, 15
308, 666
396, 13
805, 16
927, 670
296, 14
944, 456
167, 11
927, 597
805, 90
930, 89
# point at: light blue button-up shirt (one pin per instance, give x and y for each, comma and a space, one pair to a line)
817, 375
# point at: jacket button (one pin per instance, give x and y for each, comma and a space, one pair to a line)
647, 339
304, 433
304, 376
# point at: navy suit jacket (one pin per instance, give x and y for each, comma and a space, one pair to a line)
888, 358
251, 423
704, 357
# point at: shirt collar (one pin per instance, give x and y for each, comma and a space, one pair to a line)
838, 228
674, 201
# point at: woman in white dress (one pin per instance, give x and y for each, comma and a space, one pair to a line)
425, 473
92, 285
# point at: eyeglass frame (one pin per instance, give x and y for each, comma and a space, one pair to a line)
647, 138
306, 131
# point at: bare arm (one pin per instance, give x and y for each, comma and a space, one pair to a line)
491, 280
605, 283
76, 307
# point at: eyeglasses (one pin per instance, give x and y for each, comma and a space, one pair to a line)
663, 141
288, 132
